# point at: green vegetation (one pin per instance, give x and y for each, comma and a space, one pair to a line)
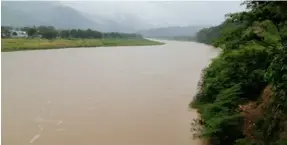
178, 38
49, 32
16, 44
242, 96
183, 33
64, 16
47, 37
208, 35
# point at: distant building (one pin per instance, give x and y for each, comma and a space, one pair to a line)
19, 34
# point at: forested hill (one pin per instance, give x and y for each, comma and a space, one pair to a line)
210, 34
242, 95
30, 13
171, 31
64, 16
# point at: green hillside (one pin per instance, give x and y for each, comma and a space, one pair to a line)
171, 31
242, 97
29, 13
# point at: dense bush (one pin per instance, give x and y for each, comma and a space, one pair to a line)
254, 55
50, 32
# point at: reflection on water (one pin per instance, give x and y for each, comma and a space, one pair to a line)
101, 96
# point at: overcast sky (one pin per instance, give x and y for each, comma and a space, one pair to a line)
159, 13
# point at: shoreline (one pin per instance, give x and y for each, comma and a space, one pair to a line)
27, 44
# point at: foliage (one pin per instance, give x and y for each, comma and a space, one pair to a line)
17, 44
49, 32
208, 35
83, 33
14, 34
31, 32
5, 31
211, 34
65, 34
274, 125
121, 35
254, 55
178, 38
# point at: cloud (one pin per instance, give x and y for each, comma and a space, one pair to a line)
161, 13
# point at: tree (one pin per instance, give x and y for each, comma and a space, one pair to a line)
73, 33
48, 32
254, 56
5, 31
31, 32
14, 34
64, 34
25, 29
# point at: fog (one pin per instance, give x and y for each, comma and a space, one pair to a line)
160, 13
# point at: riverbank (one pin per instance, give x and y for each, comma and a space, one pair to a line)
242, 94
20, 44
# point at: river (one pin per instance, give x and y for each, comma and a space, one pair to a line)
102, 96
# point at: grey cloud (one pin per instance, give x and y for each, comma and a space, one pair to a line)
159, 13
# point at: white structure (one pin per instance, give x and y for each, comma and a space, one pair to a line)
18, 33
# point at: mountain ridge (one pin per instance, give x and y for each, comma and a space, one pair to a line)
28, 13
171, 31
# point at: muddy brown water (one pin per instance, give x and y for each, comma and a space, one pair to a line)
102, 96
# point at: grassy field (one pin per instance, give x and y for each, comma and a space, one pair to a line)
19, 44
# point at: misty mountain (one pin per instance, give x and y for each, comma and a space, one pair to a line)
29, 13
115, 24
68, 16
118, 22
171, 31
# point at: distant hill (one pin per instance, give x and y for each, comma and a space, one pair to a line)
29, 13
59, 15
171, 31
122, 23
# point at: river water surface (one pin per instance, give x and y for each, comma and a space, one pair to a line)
102, 96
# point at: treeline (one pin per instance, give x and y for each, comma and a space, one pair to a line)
178, 38
210, 35
50, 32
242, 97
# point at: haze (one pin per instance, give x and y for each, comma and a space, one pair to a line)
162, 14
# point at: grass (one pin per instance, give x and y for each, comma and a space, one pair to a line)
20, 44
